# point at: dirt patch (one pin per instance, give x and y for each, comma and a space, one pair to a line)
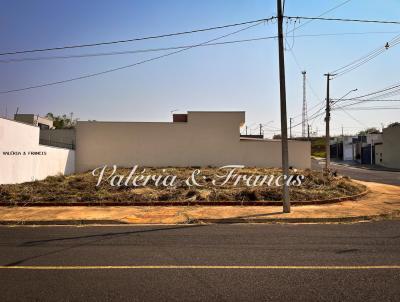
82, 188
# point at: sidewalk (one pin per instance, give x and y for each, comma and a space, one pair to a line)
383, 201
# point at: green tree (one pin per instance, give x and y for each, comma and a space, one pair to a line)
368, 130
62, 121
394, 124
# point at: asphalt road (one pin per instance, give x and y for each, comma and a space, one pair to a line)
36, 263
386, 177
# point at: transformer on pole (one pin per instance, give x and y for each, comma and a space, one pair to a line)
304, 121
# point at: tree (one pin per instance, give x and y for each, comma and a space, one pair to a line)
395, 124
276, 136
62, 121
368, 130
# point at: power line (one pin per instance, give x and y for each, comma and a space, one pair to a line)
381, 93
371, 108
130, 65
135, 39
353, 118
370, 100
310, 118
297, 62
322, 14
133, 51
344, 20
127, 52
366, 58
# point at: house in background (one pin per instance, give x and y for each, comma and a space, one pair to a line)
360, 148
63, 138
35, 120
388, 153
379, 148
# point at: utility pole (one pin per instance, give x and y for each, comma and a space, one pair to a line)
246, 130
308, 131
327, 119
282, 89
342, 145
261, 129
372, 153
304, 120
290, 127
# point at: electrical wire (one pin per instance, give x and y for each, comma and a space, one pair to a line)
135, 39
128, 52
372, 108
366, 58
130, 65
344, 20
132, 51
389, 91
353, 118
322, 14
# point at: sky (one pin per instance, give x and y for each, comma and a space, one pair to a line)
240, 76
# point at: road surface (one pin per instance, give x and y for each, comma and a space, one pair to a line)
386, 177
336, 262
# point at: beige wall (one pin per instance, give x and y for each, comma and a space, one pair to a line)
208, 138
23, 159
391, 147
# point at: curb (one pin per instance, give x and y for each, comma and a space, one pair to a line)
349, 219
383, 169
186, 203
61, 222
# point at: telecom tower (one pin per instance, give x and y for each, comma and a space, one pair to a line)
304, 121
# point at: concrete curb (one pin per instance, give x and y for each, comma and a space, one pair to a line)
186, 203
235, 220
383, 169
61, 222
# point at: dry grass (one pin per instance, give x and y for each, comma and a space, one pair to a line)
82, 188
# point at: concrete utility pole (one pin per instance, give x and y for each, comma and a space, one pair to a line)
261, 129
304, 120
308, 131
327, 119
290, 127
282, 89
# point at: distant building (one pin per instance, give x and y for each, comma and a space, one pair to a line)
388, 152
356, 148
63, 138
35, 120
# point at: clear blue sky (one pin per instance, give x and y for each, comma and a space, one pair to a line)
230, 77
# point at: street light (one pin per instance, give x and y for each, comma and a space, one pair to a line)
353, 90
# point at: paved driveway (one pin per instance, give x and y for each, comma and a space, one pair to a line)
386, 177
